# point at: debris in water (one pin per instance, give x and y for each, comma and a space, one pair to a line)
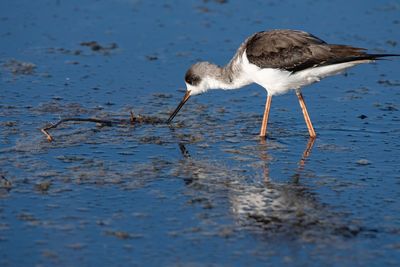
123, 235
139, 119
95, 46
17, 67
5, 183
363, 162
43, 186
362, 116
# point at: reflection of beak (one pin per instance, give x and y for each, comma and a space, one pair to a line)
185, 98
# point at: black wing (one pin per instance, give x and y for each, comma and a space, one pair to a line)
297, 50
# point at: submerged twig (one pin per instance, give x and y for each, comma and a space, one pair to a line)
132, 120
55, 125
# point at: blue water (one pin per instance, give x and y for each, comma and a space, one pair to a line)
129, 195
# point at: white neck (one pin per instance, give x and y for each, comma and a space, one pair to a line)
231, 76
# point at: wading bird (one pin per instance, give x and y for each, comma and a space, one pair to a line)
279, 61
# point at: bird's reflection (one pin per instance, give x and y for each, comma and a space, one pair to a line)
289, 207
306, 153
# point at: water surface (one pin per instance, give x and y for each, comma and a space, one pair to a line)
206, 191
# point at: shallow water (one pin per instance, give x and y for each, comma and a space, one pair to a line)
207, 190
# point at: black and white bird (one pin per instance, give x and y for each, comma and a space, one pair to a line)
279, 61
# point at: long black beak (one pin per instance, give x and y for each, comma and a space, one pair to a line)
185, 98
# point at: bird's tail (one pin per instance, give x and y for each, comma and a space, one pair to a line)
345, 53
358, 57
380, 56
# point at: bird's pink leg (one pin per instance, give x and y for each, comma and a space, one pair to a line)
263, 131
305, 113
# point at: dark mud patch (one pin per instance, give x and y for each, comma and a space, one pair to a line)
18, 67
96, 47
43, 186
75, 52
5, 185
152, 57
123, 235
395, 83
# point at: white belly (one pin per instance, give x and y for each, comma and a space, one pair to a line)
277, 81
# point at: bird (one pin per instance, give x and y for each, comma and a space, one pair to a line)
280, 61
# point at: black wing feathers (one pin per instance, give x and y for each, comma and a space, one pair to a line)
296, 50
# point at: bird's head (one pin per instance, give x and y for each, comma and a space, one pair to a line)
197, 80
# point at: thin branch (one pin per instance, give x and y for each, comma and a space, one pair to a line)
133, 119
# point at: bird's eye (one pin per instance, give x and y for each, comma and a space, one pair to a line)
192, 78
